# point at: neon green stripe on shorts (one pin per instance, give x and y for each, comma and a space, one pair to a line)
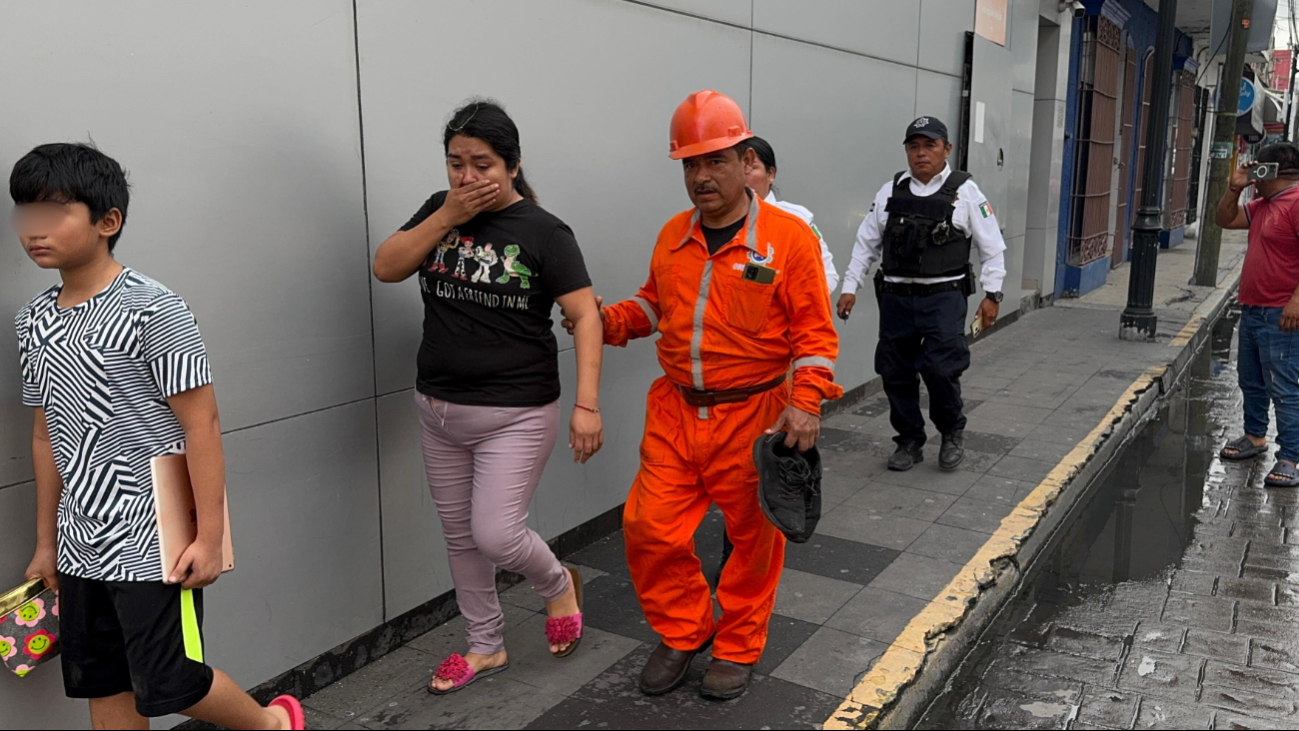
189, 626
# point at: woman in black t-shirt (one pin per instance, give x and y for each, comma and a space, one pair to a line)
492, 264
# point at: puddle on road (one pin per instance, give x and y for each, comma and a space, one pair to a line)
1133, 528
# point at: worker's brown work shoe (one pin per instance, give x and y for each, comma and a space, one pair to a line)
666, 668
725, 680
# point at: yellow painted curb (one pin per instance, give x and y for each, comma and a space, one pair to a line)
901, 663
1187, 332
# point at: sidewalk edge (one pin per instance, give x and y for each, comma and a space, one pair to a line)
895, 692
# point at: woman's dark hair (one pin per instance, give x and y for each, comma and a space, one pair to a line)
486, 120
762, 149
1285, 155
72, 173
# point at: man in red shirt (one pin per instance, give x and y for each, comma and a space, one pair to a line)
1269, 322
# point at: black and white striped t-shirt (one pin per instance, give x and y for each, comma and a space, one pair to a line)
102, 370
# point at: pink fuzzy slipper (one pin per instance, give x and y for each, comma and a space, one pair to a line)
567, 629
457, 670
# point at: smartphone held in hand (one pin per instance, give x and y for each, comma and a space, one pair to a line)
1263, 171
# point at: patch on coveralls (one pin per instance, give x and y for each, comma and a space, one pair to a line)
757, 258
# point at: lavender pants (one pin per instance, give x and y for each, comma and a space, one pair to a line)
483, 465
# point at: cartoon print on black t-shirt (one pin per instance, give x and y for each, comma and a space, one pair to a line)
448, 243
486, 259
515, 268
466, 251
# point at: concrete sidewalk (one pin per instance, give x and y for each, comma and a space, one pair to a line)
887, 548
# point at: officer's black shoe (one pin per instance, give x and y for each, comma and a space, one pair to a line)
908, 455
953, 451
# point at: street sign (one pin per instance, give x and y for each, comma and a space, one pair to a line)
1248, 96
1220, 151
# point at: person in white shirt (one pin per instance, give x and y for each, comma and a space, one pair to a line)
762, 179
923, 224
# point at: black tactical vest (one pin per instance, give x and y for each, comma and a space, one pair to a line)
920, 239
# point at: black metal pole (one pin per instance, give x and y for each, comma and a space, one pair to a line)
1138, 321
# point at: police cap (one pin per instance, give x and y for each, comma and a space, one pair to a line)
931, 127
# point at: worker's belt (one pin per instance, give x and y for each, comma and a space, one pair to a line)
730, 396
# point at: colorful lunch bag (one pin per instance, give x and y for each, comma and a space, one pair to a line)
29, 626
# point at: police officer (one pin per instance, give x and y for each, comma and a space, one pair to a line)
923, 223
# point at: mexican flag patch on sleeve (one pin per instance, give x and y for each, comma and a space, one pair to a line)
985, 209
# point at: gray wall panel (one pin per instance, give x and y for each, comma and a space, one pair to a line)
836, 181
1024, 19
1018, 154
245, 165
943, 24
1013, 288
594, 145
1017, 161
414, 554
739, 12
304, 513
884, 29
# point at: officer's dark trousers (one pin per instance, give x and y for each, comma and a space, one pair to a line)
923, 337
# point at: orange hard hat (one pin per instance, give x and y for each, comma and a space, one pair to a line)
707, 121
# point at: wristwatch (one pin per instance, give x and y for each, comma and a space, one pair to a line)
994, 296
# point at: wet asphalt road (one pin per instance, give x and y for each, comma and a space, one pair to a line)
1171, 601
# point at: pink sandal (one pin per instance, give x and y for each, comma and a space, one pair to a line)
297, 717
567, 629
457, 670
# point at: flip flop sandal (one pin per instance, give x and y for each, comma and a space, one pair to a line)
1245, 449
567, 629
1282, 475
297, 717
457, 670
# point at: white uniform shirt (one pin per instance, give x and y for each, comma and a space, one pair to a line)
827, 259
973, 216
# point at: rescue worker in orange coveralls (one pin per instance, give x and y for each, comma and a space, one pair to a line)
738, 293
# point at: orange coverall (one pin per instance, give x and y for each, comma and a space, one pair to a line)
720, 332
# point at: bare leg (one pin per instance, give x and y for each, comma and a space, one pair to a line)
116, 711
228, 705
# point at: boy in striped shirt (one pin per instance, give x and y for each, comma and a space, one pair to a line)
113, 365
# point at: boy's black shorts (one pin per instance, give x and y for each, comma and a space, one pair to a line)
139, 637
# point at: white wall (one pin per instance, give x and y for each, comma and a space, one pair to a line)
241, 126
